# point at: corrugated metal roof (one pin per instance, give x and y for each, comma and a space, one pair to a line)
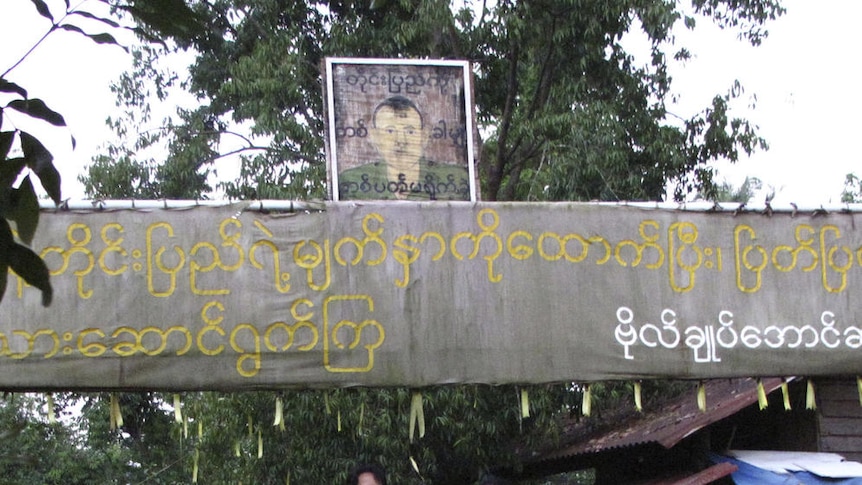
666, 426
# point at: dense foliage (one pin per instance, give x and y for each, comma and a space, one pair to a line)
565, 111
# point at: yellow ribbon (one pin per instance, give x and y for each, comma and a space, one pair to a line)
195, 466
785, 394
416, 468
859, 388
178, 412
762, 401
810, 400
259, 444
638, 399
116, 415
587, 402
525, 404
417, 415
52, 418
279, 413
701, 396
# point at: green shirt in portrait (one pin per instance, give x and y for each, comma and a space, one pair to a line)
437, 181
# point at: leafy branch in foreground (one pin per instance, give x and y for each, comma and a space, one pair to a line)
20, 204
24, 157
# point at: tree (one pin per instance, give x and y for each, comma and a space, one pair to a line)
852, 189
726, 192
567, 119
571, 119
35, 450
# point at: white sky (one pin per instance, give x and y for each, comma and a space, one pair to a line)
805, 77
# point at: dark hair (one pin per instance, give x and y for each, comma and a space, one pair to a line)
372, 468
397, 104
489, 479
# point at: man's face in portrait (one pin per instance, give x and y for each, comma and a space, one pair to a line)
397, 134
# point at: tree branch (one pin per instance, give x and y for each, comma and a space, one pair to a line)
495, 178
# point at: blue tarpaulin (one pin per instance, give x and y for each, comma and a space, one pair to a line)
749, 474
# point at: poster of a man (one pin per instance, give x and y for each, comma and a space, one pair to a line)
399, 130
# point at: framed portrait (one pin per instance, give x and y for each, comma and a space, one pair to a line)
400, 129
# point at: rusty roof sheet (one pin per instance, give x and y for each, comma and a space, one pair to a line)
670, 424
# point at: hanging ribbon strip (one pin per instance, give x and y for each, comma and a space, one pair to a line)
416, 468
178, 411
525, 404
417, 415
259, 444
701, 396
762, 401
859, 388
339, 420
785, 394
279, 413
638, 400
116, 415
52, 418
810, 400
587, 402
195, 466
236, 450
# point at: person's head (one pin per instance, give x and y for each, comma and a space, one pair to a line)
367, 474
397, 130
489, 479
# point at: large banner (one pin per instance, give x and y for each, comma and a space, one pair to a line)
415, 294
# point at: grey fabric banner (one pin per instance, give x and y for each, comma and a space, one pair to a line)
415, 294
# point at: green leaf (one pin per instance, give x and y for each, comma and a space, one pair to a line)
43, 9
40, 160
106, 38
6, 139
9, 171
6, 242
97, 38
38, 109
23, 209
28, 265
89, 15
4, 274
10, 87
